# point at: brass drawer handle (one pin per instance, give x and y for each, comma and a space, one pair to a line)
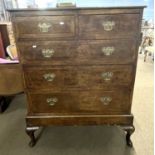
44, 27
106, 100
49, 77
108, 50
107, 76
52, 101
47, 53
108, 25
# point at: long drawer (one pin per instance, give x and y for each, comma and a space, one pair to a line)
82, 77
108, 26
81, 102
80, 52
38, 27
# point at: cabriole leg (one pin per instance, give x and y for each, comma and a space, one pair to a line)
30, 132
129, 131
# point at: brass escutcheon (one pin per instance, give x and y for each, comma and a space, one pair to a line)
52, 101
49, 77
44, 27
107, 76
108, 50
108, 25
106, 100
47, 53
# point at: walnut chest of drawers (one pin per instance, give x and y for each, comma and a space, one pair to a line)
79, 65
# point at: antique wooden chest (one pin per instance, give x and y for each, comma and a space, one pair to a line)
79, 65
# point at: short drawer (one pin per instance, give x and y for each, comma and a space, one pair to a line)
83, 52
39, 27
68, 77
108, 26
82, 102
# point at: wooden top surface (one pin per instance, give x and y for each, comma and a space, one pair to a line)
75, 8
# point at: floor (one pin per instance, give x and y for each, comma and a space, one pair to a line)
143, 101
84, 140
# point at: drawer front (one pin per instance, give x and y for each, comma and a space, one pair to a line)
97, 102
45, 27
108, 26
107, 51
48, 51
82, 52
90, 77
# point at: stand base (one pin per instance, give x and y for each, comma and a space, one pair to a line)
31, 130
